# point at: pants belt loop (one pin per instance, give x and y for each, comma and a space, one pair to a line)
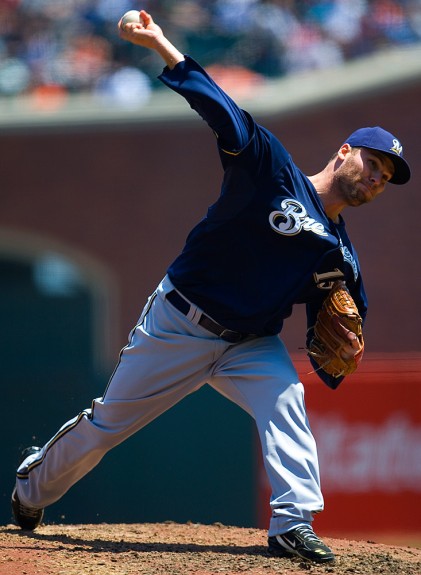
194, 314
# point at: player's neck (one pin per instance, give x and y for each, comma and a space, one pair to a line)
323, 187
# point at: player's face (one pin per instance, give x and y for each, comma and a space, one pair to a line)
362, 175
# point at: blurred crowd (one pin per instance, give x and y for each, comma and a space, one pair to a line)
56, 48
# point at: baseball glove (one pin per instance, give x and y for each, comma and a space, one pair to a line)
337, 316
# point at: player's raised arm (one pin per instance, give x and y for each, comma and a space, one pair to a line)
149, 35
231, 125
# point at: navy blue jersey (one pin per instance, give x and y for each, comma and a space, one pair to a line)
266, 243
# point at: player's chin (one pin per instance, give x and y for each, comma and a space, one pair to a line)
367, 194
360, 197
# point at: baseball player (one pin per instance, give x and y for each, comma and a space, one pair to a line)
273, 238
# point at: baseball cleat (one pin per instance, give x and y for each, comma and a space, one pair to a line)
28, 518
303, 542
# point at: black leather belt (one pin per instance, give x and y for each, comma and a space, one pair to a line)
226, 334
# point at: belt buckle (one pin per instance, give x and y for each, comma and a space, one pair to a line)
231, 336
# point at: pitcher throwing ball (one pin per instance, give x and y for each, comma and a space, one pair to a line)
273, 238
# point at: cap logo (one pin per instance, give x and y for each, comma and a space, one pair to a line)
397, 148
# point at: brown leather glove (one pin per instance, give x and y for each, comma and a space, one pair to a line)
337, 317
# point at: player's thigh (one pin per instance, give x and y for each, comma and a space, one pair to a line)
260, 377
164, 357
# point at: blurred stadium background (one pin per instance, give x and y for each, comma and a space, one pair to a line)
53, 50
103, 172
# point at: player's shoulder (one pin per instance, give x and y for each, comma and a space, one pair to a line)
264, 145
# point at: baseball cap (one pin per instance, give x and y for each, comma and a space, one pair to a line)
377, 138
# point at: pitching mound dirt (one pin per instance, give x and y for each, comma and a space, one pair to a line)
174, 549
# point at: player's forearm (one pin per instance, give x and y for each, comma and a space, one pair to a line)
168, 52
216, 108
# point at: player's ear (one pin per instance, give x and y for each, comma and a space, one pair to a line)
344, 150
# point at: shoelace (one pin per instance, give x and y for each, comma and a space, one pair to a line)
308, 533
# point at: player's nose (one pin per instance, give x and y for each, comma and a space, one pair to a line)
376, 178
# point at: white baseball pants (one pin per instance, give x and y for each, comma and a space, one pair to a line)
168, 357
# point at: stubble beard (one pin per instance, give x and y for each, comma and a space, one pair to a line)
348, 182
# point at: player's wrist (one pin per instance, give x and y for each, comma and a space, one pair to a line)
168, 52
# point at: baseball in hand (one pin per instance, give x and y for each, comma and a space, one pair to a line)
130, 16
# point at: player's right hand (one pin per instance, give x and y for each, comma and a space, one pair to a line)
142, 34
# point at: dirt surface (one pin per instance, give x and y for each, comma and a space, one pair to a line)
174, 549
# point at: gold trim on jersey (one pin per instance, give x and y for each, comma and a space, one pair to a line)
231, 153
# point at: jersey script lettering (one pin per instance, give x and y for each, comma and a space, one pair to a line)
292, 218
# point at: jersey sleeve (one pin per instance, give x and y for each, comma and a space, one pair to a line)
231, 125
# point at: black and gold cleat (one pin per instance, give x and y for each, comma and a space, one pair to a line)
302, 542
28, 518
